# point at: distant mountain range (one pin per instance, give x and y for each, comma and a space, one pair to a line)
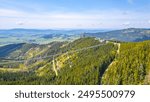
39, 36
47, 36
130, 34
22, 32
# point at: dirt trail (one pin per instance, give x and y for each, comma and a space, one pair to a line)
54, 67
118, 51
114, 61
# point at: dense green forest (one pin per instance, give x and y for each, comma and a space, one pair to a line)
131, 66
110, 62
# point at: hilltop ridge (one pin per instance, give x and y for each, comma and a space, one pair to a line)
71, 65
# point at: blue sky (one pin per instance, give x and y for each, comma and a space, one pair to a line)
75, 14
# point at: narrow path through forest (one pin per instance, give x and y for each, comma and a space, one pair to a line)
114, 61
118, 51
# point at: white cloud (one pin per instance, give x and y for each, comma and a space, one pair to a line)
92, 19
10, 13
20, 23
127, 23
149, 21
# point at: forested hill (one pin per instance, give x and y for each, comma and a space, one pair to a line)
86, 61
131, 66
127, 35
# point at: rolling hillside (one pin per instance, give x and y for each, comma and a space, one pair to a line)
127, 35
37, 36
132, 65
85, 61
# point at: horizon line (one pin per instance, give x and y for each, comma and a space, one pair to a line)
74, 28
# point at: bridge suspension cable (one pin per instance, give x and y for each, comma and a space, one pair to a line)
50, 56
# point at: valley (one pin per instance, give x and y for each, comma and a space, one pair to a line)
36, 36
85, 61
